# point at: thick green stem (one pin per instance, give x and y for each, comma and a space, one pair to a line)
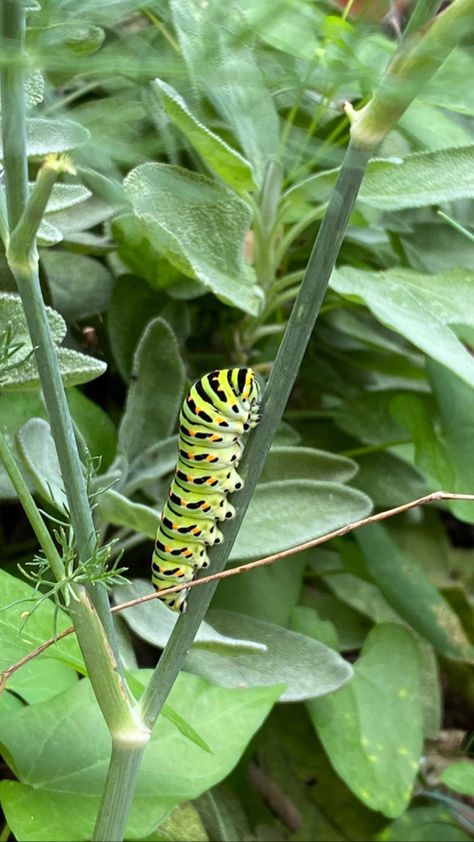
25, 271
118, 793
417, 60
12, 30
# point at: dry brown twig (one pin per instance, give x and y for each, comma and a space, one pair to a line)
435, 496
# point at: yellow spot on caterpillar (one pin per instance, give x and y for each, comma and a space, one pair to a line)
372, 758
218, 419
403, 752
402, 693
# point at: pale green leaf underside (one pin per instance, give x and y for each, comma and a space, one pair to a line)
420, 307
225, 161
199, 225
425, 178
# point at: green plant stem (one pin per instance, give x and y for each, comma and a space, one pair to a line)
287, 363
118, 794
412, 66
12, 30
31, 510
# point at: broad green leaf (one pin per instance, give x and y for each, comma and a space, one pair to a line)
75, 368
368, 418
424, 824
215, 45
388, 480
407, 589
425, 178
372, 729
95, 425
80, 217
66, 196
156, 462
12, 319
307, 463
18, 638
61, 774
182, 825
222, 815
288, 25
459, 776
269, 594
307, 622
431, 128
40, 680
445, 454
48, 235
37, 450
456, 408
286, 513
16, 408
295, 761
351, 626
420, 307
9, 703
80, 286
133, 305
305, 666
117, 509
142, 254
437, 247
153, 622
218, 155
156, 391
204, 243
450, 87
44, 136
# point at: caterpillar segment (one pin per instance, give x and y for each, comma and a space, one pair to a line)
202, 529
220, 408
177, 551
169, 573
215, 457
189, 502
225, 480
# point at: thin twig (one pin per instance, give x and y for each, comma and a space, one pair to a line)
244, 568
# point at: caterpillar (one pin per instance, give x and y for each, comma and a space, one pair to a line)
220, 408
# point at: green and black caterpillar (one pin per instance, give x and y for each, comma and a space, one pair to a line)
219, 409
